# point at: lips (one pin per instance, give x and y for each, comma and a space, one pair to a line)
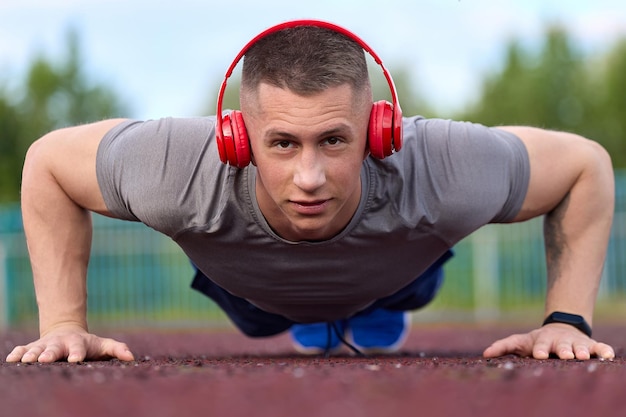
310, 208
310, 203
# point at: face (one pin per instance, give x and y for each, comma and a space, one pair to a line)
308, 152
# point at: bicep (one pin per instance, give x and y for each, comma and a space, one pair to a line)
558, 160
68, 157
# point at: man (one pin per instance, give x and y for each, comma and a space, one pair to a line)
317, 235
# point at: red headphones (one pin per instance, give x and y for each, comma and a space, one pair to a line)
385, 125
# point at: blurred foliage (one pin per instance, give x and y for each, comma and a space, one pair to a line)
555, 86
51, 95
559, 88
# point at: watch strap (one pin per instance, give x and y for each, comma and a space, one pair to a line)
572, 319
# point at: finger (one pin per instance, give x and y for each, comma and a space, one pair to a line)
52, 353
16, 354
76, 352
565, 350
581, 352
123, 353
114, 349
495, 350
541, 350
517, 344
32, 354
47, 356
602, 351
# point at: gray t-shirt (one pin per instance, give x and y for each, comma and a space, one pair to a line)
449, 179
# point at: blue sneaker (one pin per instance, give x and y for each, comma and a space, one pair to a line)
313, 339
381, 331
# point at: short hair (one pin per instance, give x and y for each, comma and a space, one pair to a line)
306, 60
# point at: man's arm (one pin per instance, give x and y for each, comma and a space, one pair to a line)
572, 184
59, 189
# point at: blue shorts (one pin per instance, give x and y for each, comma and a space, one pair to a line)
255, 322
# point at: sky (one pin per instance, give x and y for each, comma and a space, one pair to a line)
168, 58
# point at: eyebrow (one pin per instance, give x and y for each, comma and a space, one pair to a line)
339, 129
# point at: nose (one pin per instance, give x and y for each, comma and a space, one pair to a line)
309, 172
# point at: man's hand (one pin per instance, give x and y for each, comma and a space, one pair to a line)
559, 339
72, 343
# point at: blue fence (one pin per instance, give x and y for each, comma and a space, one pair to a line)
140, 278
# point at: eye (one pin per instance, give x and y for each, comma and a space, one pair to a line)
333, 140
283, 144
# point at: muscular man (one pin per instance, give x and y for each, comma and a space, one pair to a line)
333, 216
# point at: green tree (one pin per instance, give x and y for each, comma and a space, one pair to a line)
52, 95
558, 88
609, 118
10, 150
547, 90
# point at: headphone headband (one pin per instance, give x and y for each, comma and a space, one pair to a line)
293, 24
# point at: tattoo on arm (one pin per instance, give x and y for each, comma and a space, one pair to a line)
555, 239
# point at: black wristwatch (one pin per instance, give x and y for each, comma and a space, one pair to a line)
572, 319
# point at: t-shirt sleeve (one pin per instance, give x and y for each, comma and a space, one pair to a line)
150, 172
465, 175
495, 165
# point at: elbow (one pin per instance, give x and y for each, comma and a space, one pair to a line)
36, 162
598, 150
599, 169
599, 160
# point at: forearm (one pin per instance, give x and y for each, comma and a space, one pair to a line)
58, 234
576, 238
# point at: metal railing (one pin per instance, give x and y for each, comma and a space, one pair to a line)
138, 277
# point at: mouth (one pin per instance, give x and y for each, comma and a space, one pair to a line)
310, 208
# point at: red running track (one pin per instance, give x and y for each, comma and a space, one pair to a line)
439, 372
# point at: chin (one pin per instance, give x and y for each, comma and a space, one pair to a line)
311, 232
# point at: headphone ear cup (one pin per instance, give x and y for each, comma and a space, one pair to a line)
232, 141
380, 131
227, 146
219, 139
240, 139
398, 130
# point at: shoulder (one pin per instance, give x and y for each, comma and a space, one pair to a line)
440, 142
154, 170
450, 166
173, 139
167, 128
440, 131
